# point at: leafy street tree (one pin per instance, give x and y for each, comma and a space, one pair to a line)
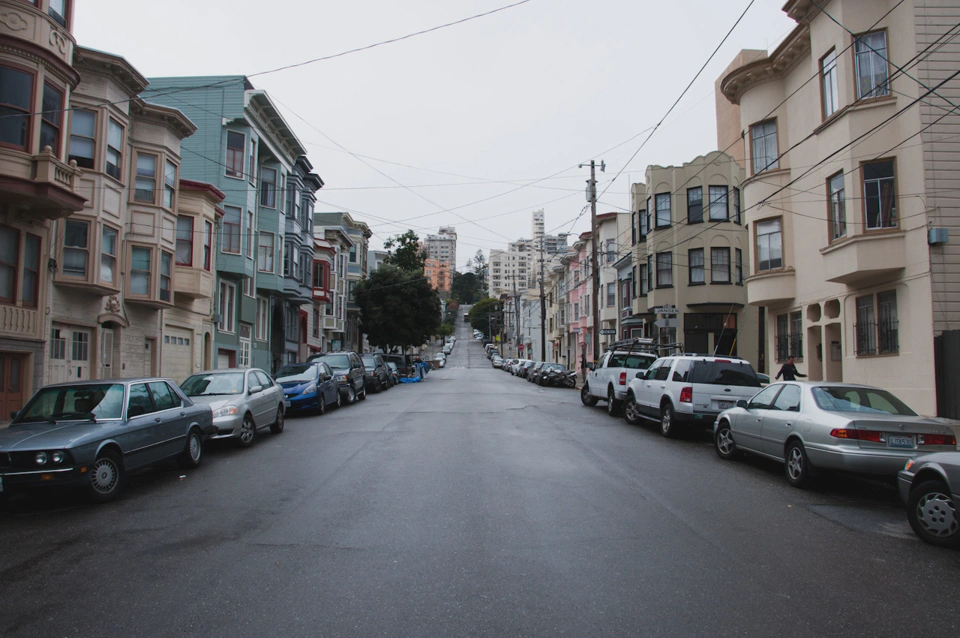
480, 270
482, 312
466, 288
398, 308
445, 330
405, 252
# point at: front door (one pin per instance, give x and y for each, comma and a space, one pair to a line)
781, 420
69, 353
11, 383
149, 346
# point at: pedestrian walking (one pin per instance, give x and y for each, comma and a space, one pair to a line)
789, 371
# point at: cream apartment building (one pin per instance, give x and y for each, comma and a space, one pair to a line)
849, 194
690, 249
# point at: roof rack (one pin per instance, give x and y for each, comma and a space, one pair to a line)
641, 344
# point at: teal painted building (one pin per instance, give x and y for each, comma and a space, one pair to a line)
245, 148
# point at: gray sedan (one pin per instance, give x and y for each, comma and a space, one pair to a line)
243, 401
812, 426
92, 433
930, 486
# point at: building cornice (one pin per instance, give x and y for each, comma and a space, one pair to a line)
794, 48
40, 56
113, 66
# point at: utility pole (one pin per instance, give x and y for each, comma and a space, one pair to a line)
592, 198
543, 309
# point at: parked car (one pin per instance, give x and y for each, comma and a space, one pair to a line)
523, 370
930, 488
447, 349
497, 361
534, 371
394, 372
688, 390
608, 379
243, 400
349, 371
377, 376
517, 364
93, 433
308, 386
440, 359
812, 426
399, 360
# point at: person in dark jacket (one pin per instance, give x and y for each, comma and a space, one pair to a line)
789, 371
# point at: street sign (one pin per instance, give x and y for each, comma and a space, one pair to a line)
520, 347
667, 323
665, 310
608, 331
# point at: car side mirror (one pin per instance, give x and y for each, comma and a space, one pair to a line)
640, 375
327, 377
256, 388
742, 403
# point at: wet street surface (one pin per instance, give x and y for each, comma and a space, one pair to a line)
473, 503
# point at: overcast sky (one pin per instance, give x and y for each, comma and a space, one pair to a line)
416, 134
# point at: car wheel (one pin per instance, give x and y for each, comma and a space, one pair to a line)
631, 411
277, 426
351, 395
613, 406
193, 451
321, 404
362, 395
723, 442
797, 466
339, 399
933, 514
248, 431
106, 477
668, 424
586, 398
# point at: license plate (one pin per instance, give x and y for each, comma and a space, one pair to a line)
724, 405
901, 441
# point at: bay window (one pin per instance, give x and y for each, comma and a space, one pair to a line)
169, 184
268, 187
230, 239
879, 195
146, 178
829, 87
166, 273
235, 146
872, 68
250, 230
769, 245
207, 245
664, 270
719, 265
108, 256
184, 240
718, 204
16, 97
9, 258
58, 11
30, 288
83, 127
114, 149
140, 257
76, 248
738, 266
265, 252
261, 326
695, 266
663, 210
51, 118
695, 205
228, 300
837, 207
763, 138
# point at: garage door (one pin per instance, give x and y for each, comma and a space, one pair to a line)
177, 353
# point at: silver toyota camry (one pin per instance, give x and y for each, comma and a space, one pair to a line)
812, 426
243, 400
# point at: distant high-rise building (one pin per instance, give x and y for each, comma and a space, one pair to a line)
443, 246
517, 268
537, 224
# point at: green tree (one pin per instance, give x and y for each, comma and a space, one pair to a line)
445, 330
480, 270
466, 288
398, 308
405, 252
484, 314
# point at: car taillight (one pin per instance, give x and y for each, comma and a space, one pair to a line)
686, 395
936, 439
862, 435
623, 378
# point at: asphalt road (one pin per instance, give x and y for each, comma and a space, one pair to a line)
473, 503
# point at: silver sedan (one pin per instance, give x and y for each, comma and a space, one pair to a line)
930, 487
243, 401
812, 426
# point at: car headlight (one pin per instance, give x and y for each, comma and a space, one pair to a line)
342, 377
58, 457
310, 388
226, 411
41, 458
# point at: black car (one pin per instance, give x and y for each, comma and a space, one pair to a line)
378, 377
349, 371
399, 360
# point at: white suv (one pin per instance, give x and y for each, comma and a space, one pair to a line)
689, 389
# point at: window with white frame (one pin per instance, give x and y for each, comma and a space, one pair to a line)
611, 295
76, 247
695, 205
265, 252
718, 204
261, 326
228, 301
114, 149
230, 239
829, 84
184, 240
249, 284
140, 257
83, 127
879, 195
665, 270
146, 178
243, 358
235, 146
108, 255
769, 245
719, 265
837, 207
166, 276
663, 210
250, 230
695, 266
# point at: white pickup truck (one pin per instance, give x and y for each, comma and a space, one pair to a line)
609, 378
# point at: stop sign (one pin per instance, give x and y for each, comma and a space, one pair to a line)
520, 347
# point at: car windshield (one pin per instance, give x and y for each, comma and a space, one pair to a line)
297, 372
336, 360
854, 399
370, 362
205, 385
554, 366
66, 403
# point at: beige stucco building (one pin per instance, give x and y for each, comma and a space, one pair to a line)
848, 195
689, 251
